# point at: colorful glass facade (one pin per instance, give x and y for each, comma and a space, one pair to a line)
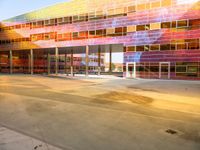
132, 38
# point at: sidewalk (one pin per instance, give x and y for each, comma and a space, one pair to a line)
11, 140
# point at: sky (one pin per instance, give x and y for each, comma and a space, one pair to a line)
11, 8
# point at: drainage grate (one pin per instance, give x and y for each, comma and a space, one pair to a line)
170, 131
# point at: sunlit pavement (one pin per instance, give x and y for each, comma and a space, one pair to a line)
101, 113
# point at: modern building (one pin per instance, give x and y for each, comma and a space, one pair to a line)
130, 38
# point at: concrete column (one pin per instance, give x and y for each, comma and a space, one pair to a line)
31, 61
65, 62
11, 62
99, 60
87, 60
0, 63
110, 59
72, 63
49, 63
56, 60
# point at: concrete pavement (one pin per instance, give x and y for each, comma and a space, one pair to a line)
108, 114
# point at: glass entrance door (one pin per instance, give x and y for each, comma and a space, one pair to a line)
131, 70
164, 70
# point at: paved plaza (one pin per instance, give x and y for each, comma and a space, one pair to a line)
79, 113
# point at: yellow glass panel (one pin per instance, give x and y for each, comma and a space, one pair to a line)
111, 12
141, 7
166, 3
131, 9
130, 49
196, 6
110, 31
148, 6
155, 26
131, 28
119, 10
155, 4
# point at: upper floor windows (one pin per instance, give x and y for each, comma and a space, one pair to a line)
50, 22
155, 26
115, 12
155, 4
64, 20
166, 25
64, 37
178, 44
80, 18
154, 47
131, 9
131, 28
182, 23
142, 27
43, 36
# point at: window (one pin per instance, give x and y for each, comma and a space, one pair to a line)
181, 46
40, 24
141, 7
92, 33
75, 18
181, 69
83, 17
33, 38
131, 9
142, 27
119, 31
166, 25
67, 20
193, 43
59, 37
140, 48
23, 26
60, 20
173, 24
67, 36
47, 36
131, 28
17, 26
120, 11
39, 37
146, 47
99, 15
110, 31
194, 24
34, 24
64, 37
192, 69
100, 33
155, 47
83, 35
164, 47
173, 46
155, 4
75, 35
92, 16
130, 49
155, 26
27, 25
111, 13
47, 22
52, 22
166, 3
147, 27
182, 23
